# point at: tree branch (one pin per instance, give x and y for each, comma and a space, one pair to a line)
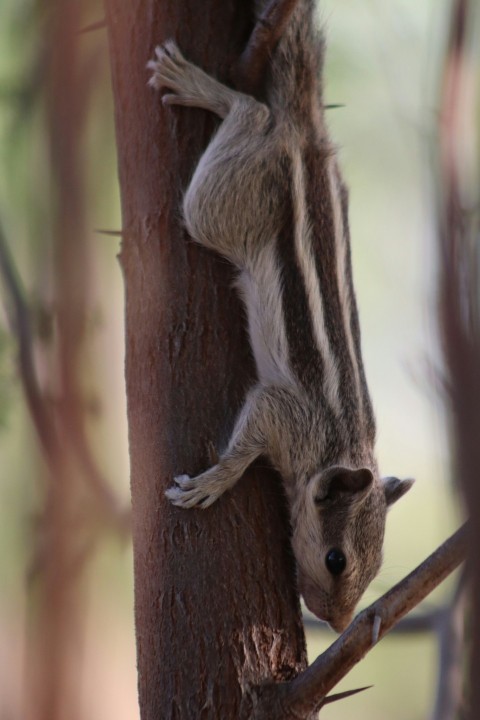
415, 624
306, 693
18, 316
249, 71
19, 320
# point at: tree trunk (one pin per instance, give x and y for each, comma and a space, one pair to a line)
215, 601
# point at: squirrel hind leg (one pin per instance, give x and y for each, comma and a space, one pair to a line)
191, 86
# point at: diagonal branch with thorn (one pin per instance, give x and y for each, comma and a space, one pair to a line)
307, 693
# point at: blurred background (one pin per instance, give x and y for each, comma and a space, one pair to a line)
63, 431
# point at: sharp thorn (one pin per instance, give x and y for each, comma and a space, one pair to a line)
377, 624
99, 25
343, 695
114, 233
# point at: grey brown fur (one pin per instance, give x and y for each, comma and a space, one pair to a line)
267, 194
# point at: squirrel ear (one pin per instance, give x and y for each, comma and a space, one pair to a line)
341, 485
395, 488
349, 482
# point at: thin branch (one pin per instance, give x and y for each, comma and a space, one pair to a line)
19, 320
417, 623
305, 694
18, 316
250, 69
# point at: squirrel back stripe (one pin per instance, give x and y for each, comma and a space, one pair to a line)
331, 252
345, 287
304, 252
307, 363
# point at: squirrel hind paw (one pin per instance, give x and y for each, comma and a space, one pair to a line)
170, 48
185, 482
167, 66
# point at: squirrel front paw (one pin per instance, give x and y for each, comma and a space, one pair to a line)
200, 491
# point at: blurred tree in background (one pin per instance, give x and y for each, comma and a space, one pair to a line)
50, 273
65, 608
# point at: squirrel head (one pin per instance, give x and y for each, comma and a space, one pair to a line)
338, 524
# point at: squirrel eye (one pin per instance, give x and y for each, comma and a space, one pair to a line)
335, 561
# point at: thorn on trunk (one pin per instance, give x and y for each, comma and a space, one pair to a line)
341, 696
377, 624
110, 233
99, 25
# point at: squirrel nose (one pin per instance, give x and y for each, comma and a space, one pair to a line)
315, 602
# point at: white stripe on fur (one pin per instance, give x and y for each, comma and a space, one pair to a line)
343, 284
303, 249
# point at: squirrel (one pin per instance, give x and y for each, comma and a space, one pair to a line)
267, 194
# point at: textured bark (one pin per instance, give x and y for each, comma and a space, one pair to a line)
215, 602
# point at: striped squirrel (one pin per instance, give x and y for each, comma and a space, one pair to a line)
267, 194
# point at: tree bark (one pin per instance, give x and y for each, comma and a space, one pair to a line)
215, 602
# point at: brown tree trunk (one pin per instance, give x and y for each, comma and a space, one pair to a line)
458, 291
215, 601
